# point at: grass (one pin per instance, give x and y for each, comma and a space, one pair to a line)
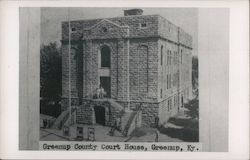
189, 132
142, 131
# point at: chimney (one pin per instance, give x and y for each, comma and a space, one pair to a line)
132, 12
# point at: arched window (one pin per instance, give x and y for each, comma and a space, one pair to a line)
105, 56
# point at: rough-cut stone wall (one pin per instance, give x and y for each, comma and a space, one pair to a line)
150, 110
122, 70
75, 74
185, 38
92, 68
85, 114
173, 33
143, 63
105, 29
96, 68
168, 30
134, 23
134, 45
168, 68
65, 102
176, 62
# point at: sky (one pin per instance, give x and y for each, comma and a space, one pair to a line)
51, 19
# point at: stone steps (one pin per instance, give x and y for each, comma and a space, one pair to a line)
59, 121
62, 119
128, 119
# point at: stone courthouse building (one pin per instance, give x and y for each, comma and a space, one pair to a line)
143, 62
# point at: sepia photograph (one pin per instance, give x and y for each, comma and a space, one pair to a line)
119, 74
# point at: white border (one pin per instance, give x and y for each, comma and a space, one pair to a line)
239, 80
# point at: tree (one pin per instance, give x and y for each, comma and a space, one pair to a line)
50, 77
193, 108
193, 105
195, 72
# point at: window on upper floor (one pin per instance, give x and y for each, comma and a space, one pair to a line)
174, 57
105, 56
170, 57
177, 58
167, 81
169, 105
161, 55
161, 93
170, 80
181, 56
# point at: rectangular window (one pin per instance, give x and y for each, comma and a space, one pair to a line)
174, 81
161, 55
170, 81
170, 57
174, 101
174, 58
177, 58
105, 57
167, 57
181, 56
161, 92
169, 105
167, 81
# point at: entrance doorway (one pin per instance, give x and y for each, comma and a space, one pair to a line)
100, 115
105, 83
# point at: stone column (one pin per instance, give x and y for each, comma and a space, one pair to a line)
127, 47
123, 71
88, 69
